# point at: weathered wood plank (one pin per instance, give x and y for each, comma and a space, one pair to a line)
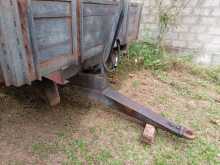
99, 10
76, 31
123, 34
51, 9
96, 23
55, 64
54, 34
23, 13
13, 59
101, 2
53, 37
33, 40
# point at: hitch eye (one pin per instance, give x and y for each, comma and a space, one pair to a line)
188, 133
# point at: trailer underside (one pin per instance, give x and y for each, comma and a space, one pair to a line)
97, 88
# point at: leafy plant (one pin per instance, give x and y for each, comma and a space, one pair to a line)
147, 54
168, 15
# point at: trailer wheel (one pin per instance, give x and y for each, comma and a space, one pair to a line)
113, 60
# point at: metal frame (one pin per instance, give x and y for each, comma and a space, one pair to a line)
96, 87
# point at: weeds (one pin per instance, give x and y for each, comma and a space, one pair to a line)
44, 149
104, 156
148, 56
168, 16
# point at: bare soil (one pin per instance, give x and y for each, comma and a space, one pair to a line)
79, 131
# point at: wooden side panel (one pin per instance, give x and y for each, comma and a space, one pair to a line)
123, 34
96, 24
53, 37
23, 13
51, 9
13, 56
134, 16
52, 28
53, 32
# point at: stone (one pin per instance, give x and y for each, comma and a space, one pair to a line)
149, 134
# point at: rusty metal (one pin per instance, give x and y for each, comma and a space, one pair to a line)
98, 88
146, 115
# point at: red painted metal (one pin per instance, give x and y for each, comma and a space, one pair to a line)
57, 77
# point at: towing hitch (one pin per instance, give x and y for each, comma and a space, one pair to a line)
97, 88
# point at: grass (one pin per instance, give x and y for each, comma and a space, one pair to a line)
125, 146
176, 88
121, 139
203, 150
147, 55
43, 149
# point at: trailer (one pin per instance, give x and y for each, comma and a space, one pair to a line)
42, 38
54, 40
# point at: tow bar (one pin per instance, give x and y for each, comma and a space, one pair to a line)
97, 87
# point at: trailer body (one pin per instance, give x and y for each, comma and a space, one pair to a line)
55, 39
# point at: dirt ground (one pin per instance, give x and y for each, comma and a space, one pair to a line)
79, 131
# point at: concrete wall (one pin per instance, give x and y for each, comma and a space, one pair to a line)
197, 28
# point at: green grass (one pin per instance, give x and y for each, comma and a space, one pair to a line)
44, 149
205, 149
204, 152
101, 136
147, 55
136, 84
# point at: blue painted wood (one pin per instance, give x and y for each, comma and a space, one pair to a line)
96, 22
123, 34
51, 9
13, 58
61, 32
55, 36
76, 31
33, 40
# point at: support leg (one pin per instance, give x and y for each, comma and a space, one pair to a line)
51, 92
